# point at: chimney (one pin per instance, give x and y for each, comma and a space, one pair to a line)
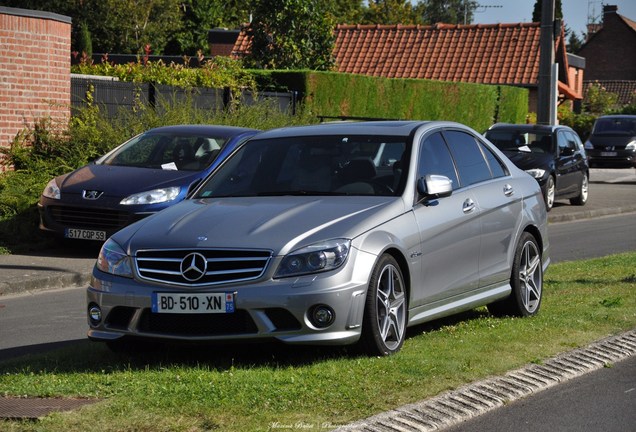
608, 10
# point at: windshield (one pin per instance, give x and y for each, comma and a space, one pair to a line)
324, 165
166, 151
615, 126
511, 140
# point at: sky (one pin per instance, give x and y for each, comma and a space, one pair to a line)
575, 12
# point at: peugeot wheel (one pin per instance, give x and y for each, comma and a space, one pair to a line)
526, 281
384, 323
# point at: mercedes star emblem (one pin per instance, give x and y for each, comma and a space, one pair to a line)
193, 267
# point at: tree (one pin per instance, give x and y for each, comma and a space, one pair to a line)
291, 34
574, 42
390, 12
536, 12
447, 11
199, 16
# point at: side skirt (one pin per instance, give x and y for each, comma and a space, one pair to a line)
458, 304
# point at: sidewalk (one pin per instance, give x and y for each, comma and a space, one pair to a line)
72, 266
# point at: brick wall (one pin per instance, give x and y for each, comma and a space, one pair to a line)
611, 52
35, 75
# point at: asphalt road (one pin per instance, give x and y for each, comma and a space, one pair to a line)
604, 400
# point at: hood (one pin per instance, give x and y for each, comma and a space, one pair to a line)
280, 224
118, 181
611, 140
525, 160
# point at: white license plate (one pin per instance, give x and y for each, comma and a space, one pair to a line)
83, 234
609, 154
193, 303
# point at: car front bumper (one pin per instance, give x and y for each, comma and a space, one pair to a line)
269, 308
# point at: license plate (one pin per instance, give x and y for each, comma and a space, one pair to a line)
193, 303
609, 154
84, 234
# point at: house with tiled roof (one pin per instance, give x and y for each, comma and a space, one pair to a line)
505, 54
613, 50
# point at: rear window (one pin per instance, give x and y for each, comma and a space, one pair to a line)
512, 140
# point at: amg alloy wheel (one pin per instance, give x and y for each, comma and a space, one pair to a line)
526, 281
384, 324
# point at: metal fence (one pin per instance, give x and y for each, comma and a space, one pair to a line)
113, 95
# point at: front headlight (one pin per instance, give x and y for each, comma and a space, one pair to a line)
588, 145
316, 258
52, 190
536, 173
152, 197
631, 146
112, 259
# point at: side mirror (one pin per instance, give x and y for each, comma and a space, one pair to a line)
434, 186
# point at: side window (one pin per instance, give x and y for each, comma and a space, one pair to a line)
471, 165
436, 159
497, 168
566, 146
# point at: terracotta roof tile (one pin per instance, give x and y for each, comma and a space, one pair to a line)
482, 53
492, 54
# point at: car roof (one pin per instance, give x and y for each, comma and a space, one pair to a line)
381, 127
528, 127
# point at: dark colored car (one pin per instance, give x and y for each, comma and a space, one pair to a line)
552, 154
612, 143
142, 176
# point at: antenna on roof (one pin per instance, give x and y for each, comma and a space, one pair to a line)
480, 8
593, 20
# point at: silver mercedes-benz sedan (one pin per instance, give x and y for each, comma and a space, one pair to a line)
336, 233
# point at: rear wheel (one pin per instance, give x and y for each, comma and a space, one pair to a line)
581, 199
384, 324
526, 281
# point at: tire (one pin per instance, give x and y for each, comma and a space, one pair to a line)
581, 199
526, 281
549, 192
385, 312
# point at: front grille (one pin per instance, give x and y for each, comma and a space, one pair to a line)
91, 218
222, 266
236, 323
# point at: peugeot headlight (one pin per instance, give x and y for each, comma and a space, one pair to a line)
319, 257
631, 146
536, 172
112, 259
589, 145
52, 190
154, 196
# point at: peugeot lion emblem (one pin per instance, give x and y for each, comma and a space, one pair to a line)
193, 267
91, 194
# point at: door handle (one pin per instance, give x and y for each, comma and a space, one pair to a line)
469, 206
508, 190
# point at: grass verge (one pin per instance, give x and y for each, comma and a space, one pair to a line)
269, 387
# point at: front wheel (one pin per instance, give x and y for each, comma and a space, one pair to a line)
384, 323
581, 199
526, 281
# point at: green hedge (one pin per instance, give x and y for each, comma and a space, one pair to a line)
332, 94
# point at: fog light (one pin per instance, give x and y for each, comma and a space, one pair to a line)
95, 315
322, 316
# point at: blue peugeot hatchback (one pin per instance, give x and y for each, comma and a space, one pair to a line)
142, 176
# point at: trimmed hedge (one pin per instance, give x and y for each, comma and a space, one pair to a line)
333, 94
